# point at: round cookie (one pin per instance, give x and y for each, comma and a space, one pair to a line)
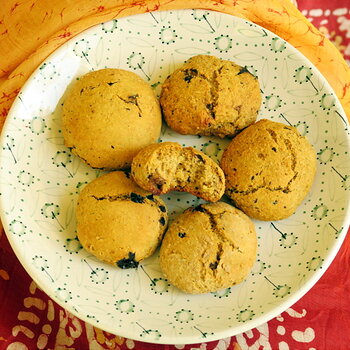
166, 166
108, 116
210, 96
119, 222
207, 248
269, 169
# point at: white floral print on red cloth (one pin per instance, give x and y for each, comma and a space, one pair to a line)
34, 321
332, 18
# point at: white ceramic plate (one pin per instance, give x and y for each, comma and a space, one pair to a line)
41, 179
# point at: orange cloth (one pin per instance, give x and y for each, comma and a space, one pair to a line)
31, 30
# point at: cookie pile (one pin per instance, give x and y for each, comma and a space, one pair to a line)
112, 120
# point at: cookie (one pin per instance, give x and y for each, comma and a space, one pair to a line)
108, 116
119, 222
207, 248
269, 169
165, 167
210, 96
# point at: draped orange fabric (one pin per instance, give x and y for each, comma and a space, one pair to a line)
31, 30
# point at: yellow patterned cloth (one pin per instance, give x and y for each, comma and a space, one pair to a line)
31, 30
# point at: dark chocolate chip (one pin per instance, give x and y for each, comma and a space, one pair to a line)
243, 70
182, 234
127, 173
137, 198
112, 83
214, 265
162, 221
200, 157
274, 149
210, 106
162, 208
150, 197
199, 208
128, 263
189, 74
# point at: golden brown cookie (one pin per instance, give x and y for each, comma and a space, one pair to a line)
165, 167
207, 248
119, 222
210, 96
269, 169
108, 116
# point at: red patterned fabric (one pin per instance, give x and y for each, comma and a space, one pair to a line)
333, 20
31, 320
320, 320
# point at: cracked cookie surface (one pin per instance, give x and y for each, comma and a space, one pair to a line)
108, 116
119, 222
209, 247
164, 167
210, 96
269, 169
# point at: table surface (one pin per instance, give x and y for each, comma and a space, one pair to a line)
29, 319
